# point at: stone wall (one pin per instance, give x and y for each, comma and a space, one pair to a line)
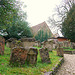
2, 45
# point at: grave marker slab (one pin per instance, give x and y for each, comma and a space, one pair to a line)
32, 55
18, 55
44, 55
60, 50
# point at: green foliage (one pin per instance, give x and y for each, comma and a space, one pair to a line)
42, 36
68, 49
39, 69
13, 20
7, 11
68, 26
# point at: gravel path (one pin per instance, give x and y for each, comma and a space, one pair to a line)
68, 67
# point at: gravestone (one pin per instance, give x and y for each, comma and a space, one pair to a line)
66, 44
73, 45
51, 44
2, 44
47, 45
60, 51
27, 42
36, 43
32, 55
44, 55
16, 43
8, 42
18, 55
39, 44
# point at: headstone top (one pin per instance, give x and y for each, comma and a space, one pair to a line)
27, 39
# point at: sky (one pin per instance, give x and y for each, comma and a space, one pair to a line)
38, 11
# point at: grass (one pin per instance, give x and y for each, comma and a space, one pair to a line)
39, 69
68, 49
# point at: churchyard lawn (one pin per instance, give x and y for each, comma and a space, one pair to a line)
38, 69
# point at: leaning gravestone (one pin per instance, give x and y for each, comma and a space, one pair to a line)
44, 55
32, 55
18, 55
60, 50
2, 44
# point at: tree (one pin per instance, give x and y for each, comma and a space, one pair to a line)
13, 20
6, 13
42, 36
62, 17
68, 26
46, 36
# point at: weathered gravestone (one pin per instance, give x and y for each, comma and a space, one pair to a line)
2, 44
66, 44
18, 55
52, 44
27, 42
48, 45
8, 42
39, 44
60, 51
16, 43
73, 45
44, 55
32, 55
36, 43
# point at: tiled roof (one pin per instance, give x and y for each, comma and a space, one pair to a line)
42, 26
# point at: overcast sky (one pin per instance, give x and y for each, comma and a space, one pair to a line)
39, 10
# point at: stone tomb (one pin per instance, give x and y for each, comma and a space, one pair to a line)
32, 55
44, 55
2, 44
27, 42
18, 55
